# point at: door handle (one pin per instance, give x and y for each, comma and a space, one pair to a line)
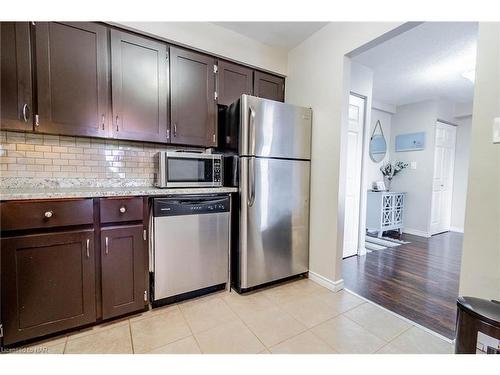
251, 182
103, 120
251, 130
88, 248
117, 128
175, 130
107, 245
26, 110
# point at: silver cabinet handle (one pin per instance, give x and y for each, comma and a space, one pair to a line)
123, 209
175, 130
103, 120
251, 182
117, 128
107, 245
26, 110
88, 248
251, 131
48, 214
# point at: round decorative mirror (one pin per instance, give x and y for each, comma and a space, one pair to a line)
378, 145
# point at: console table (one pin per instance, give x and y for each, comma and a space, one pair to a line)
385, 211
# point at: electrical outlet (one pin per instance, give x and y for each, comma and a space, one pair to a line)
496, 130
413, 165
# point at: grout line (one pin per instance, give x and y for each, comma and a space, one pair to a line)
190, 330
131, 337
450, 341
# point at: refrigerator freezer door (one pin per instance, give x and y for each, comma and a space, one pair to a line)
274, 225
274, 129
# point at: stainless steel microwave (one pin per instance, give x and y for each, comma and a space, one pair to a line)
176, 169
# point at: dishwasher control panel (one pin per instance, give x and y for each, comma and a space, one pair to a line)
190, 205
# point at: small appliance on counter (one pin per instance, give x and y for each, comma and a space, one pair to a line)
189, 255
180, 169
267, 147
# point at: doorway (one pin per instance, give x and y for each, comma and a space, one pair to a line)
355, 132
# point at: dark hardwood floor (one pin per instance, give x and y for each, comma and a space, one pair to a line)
418, 280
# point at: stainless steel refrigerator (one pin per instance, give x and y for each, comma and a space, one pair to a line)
274, 150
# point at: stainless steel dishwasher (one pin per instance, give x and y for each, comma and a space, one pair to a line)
190, 250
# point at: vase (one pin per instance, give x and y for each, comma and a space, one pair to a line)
387, 183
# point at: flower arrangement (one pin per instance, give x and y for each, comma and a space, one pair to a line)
390, 170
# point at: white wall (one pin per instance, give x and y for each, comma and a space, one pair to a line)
362, 84
373, 168
217, 40
318, 77
480, 273
461, 173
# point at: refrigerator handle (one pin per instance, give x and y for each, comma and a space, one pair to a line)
251, 181
251, 130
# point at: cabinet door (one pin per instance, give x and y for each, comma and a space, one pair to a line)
72, 78
268, 86
16, 94
123, 270
48, 283
233, 81
139, 87
192, 98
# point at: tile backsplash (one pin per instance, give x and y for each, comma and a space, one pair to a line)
49, 160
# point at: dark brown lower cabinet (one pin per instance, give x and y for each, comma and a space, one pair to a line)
123, 261
48, 283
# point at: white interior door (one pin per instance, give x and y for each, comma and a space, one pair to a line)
353, 174
442, 183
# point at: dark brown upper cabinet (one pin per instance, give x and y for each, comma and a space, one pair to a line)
139, 80
48, 283
72, 78
123, 263
268, 86
233, 81
193, 105
16, 85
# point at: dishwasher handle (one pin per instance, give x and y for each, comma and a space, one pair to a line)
194, 205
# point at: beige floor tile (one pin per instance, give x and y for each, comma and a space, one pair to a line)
110, 341
418, 341
283, 293
99, 328
150, 313
273, 325
305, 343
207, 313
341, 301
345, 336
229, 338
265, 351
47, 348
310, 310
248, 304
159, 330
381, 323
187, 345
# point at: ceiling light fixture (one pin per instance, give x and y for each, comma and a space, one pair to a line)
470, 75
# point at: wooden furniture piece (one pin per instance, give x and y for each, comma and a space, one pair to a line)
385, 211
269, 86
16, 107
67, 263
97, 80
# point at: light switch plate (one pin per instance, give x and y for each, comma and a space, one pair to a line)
413, 165
496, 130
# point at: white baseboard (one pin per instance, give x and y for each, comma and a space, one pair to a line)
457, 229
416, 232
334, 286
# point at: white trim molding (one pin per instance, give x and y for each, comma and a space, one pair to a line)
334, 286
416, 232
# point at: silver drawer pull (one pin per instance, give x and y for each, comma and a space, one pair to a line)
107, 246
48, 214
88, 248
123, 209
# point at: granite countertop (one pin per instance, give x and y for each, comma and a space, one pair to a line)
92, 192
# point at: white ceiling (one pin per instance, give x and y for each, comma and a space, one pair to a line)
424, 63
284, 35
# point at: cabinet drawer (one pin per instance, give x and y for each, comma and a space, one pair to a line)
46, 214
115, 210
